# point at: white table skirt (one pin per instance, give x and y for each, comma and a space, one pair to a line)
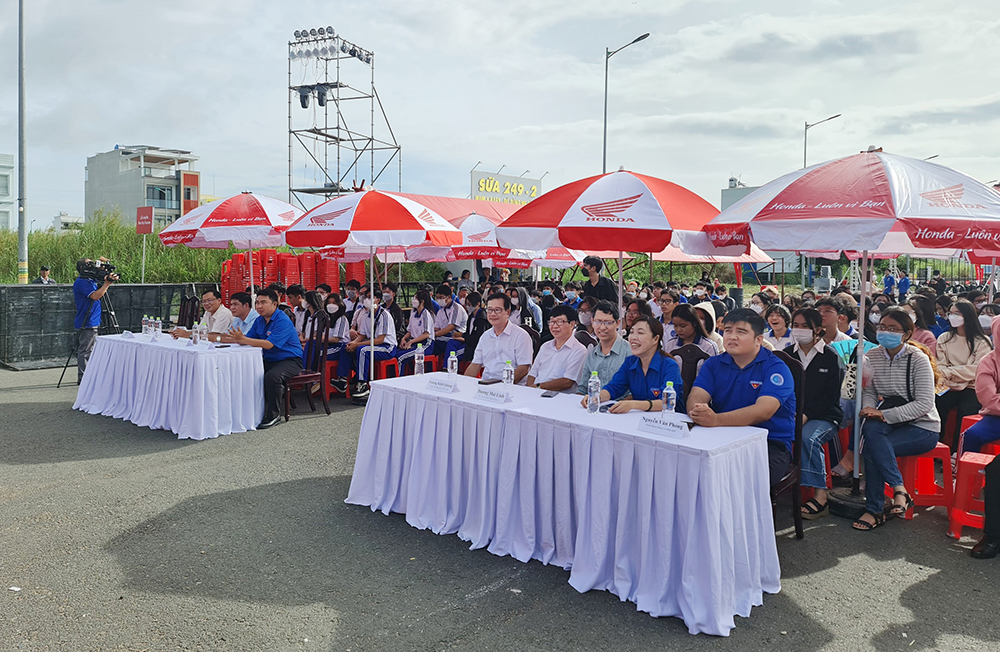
679, 527
195, 392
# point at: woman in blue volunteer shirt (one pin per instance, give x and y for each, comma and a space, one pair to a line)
645, 373
274, 332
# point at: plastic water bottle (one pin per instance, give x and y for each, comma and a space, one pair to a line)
669, 397
203, 332
593, 393
508, 373
453, 364
145, 325
418, 360
157, 328
196, 333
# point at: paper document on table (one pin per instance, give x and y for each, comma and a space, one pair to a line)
666, 424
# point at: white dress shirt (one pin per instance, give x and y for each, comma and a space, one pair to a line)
452, 315
219, 321
493, 351
553, 363
806, 359
383, 326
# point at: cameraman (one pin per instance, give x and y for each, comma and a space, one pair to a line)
87, 294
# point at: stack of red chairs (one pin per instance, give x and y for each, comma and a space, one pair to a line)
307, 270
288, 270
269, 263
355, 272
328, 271
224, 286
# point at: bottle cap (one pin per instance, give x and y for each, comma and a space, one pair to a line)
670, 383
593, 373
453, 354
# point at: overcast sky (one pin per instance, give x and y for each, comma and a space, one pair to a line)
719, 88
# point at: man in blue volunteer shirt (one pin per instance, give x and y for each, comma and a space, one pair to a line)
87, 294
274, 332
748, 386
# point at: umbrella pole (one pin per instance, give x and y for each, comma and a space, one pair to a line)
651, 269
371, 295
860, 353
993, 278
621, 256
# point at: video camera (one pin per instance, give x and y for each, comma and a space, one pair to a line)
97, 270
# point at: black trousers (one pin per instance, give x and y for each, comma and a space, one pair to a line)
779, 458
991, 526
275, 374
964, 403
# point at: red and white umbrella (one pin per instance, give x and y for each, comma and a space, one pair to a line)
241, 220
621, 211
479, 242
552, 258
852, 203
372, 219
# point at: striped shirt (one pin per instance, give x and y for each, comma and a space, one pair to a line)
889, 378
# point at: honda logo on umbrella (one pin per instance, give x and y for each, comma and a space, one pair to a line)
610, 211
329, 217
948, 198
479, 237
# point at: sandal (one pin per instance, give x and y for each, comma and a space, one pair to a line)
812, 509
865, 526
841, 476
900, 510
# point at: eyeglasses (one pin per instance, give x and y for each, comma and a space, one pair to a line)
494, 311
633, 313
206, 302
888, 329
603, 322
557, 322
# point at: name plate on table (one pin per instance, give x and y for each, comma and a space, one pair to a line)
444, 383
491, 395
665, 424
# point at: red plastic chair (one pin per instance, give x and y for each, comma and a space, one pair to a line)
971, 478
918, 476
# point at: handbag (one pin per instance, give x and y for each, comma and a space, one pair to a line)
848, 386
896, 401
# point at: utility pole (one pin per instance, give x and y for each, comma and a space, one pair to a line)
22, 213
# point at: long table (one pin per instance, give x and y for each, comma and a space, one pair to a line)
680, 527
196, 392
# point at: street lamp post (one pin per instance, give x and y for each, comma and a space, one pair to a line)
607, 57
22, 193
805, 164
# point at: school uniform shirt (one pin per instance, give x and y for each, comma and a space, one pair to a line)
493, 351
780, 343
300, 318
732, 388
553, 363
647, 386
341, 327
383, 326
452, 315
421, 323
279, 331
705, 344
668, 327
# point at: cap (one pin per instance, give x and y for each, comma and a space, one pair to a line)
44, 268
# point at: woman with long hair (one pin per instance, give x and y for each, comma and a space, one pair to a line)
419, 330
923, 318
644, 373
523, 310
688, 329
959, 352
339, 333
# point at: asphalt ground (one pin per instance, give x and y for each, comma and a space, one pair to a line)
123, 538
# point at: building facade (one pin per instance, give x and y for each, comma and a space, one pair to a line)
130, 177
8, 201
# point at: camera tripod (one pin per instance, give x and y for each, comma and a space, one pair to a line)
109, 326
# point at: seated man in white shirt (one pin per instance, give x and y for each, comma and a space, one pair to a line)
217, 317
559, 360
504, 341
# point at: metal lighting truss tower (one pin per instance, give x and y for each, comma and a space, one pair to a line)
338, 133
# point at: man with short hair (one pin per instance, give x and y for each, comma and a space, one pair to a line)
389, 302
748, 386
217, 317
669, 299
295, 295
324, 290
903, 286
890, 284
87, 296
611, 349
700, 291
832, 309
43, 277
275, 333
351, 290
574, 295
557, 365
475, 325
450, 318
357, 354
502, 343
723, 295
241, 305
600, 287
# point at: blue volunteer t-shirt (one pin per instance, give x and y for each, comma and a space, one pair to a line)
82, 289
648, 386
279, 331
732, 388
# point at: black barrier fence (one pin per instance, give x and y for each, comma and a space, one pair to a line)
36, 321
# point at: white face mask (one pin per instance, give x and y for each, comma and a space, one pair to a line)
802, 335
980, 304
571, 295
643, 296
514, 301
853, 324
332, 308
699, 292
757, 308
586, 318
414, 303
367, 304
686, 293
386, 297
956, 320
986, 321
875, 317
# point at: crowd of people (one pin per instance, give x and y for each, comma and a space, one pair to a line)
931, 361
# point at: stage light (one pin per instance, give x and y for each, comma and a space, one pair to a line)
329, 30
291, 55
304, 33
324, 52
312, 32
297, 33
315, 53
299, 54
321, 91
368, 59
322, 31
343, 47
304, 92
